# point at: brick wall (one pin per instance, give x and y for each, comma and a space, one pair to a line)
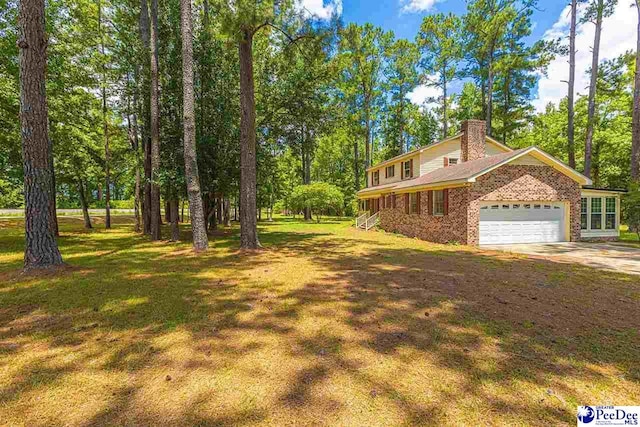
449, 228
509, 182
525, 183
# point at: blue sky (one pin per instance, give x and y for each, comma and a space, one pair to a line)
389, 15
551, 20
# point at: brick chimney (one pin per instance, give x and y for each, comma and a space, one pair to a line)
472, 145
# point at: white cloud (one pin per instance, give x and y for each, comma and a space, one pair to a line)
425, 96
412, 6
618, 36
322, 9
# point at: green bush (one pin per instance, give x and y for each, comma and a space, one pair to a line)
320, 197
10, 195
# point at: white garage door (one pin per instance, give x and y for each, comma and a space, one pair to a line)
521, 222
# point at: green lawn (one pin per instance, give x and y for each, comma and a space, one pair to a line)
627, 236
326, 325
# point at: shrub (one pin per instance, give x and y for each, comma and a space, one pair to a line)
10, 195
320, 197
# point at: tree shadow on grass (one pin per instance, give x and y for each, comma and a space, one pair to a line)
350, 329
552, 325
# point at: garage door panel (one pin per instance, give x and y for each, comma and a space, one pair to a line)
521, 222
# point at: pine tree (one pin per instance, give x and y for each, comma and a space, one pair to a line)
596, 12
198, 225
41, 247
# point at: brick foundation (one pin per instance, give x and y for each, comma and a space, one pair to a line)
600, 239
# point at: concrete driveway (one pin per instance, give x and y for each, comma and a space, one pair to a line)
606, 256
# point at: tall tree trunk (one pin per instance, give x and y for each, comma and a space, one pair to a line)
490, 94
41, 247
145, 112
248, 222
445, 124
147, 186
635, 127
53, 222
196, 211
507, 105
236, 207
211, 212
132, 124
306, 167
591, 110
367, 135
402, 124
595, 164
219, 209
83, 204
156, 220
136, 201
167, 210
227, 212
173, 218
356, 165
571, 148
105, 125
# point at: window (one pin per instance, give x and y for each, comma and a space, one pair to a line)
596, 213
547, 206
516, 206
527, 206
506, 206
390, 171
583, 213
376, 178
388, 202
438, 202
610, 219
453, 162
413, 203
495, 206
406, 169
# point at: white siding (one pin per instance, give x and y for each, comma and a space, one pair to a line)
398, 171
493, 149
433, 158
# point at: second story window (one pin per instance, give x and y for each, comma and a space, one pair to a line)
407, 169
375, 178
390, 171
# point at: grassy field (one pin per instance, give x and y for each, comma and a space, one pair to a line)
627, 236
326, 325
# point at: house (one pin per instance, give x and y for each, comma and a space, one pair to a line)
472, 189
